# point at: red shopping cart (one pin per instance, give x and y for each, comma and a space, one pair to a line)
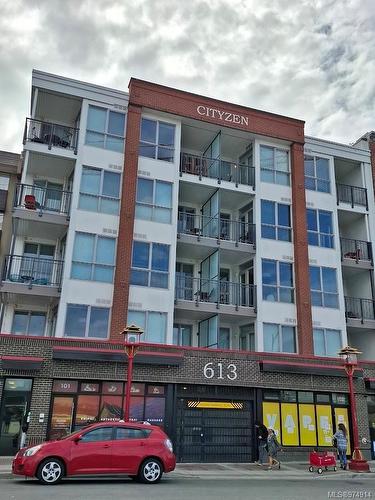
322, 461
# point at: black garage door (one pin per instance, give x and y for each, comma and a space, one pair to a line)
220, 433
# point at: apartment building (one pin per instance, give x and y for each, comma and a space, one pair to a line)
240, 246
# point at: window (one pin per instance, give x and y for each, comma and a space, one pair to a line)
275, 221
182, 334
279, 338
157, 140
86, 321
317, 174
154, 200
319, 228
105, 129
99, 191
224, 338
154, 325
277, 281
150, 265
323, 286
128, 433
326, 342
93, 257
274, 165
29, 323
247, 337
100, 434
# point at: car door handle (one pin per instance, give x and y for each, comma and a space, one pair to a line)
106, 446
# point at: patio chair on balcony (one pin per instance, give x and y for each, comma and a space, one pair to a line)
356, 255
30, 202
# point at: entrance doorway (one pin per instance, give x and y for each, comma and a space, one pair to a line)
15, 405
220, 433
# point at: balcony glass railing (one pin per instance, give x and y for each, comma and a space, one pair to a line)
216, 227
363, 309
355, 196
214, 291
42, 199
32, 270
217, 169
51, 134
357, 250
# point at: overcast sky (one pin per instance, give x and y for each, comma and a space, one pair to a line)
309, 59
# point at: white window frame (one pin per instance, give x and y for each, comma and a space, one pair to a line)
280, 336
315, 178
99, 196
153, 206
275, 170
105, 133
145, 333
87, 324
325, 330
93, 263
157, 145
29, 313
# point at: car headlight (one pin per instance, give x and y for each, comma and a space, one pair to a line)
169, 445
31, 451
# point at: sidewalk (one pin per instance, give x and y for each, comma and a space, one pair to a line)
231, 470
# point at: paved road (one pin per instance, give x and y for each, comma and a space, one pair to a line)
178, 487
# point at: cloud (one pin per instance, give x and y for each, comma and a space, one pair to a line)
310, 59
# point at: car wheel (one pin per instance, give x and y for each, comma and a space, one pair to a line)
311, 469
320, 470
50, 471
151, 471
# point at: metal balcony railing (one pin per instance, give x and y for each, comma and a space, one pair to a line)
356, 249
51, 134
214, 291
352, 194
32, 270
216, 227
363, 309
42, 199
217, 169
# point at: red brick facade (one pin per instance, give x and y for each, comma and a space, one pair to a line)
301, 256
148, 95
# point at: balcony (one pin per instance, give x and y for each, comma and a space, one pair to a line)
211, 295
213, 231
34, 275
41, 200
359, 312
354, 252
352, 195
51, 134
218, 169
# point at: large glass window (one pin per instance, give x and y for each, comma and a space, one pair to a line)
274, 165
157, 140
154, 325
105, 129
93, 257
317, 174
86, 321
182, 335
99, 191
275, 221
326, 342
277, 278
154, 200
150, 264
247, 337
279, 338
29, 323
323, 284
319, 228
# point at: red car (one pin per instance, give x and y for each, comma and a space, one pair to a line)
141, 451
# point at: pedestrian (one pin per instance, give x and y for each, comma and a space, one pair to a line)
341, 439
273, 447
262, 433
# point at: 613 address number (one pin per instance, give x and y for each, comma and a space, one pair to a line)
220, 371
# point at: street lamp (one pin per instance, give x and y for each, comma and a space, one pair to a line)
349, 357
132, 339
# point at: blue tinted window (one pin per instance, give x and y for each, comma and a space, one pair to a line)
269, 272
329, 279
286, 276
141, 254
96, 119
145, 190
160, 257
116, 123
325, 222
148, 130
312, 223
315, 278
268, 212
283, 215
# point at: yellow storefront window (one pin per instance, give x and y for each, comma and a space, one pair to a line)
271, 417
324, 424
289, 420
307, 424
341, 417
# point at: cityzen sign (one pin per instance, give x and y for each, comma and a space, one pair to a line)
224, 116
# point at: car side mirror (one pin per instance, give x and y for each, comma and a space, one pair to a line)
77, 439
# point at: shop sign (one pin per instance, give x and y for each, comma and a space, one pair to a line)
224, 116
65, 386
271, 417
155, 390
89, 387
112, 388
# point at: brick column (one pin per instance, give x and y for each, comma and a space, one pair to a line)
301, 256
126, 225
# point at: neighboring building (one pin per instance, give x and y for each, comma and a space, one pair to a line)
197, 227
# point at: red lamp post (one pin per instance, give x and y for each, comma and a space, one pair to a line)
349, 357
132, 339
